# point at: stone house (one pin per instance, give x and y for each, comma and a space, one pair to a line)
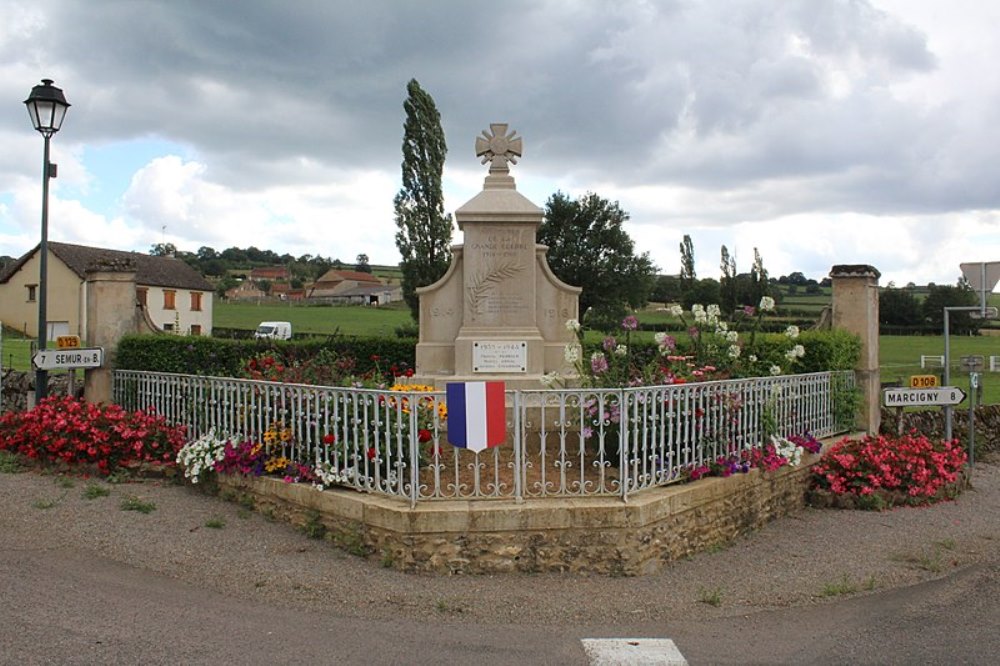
175, 296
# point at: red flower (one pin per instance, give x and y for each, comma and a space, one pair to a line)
371, 453
424, 435
329, 438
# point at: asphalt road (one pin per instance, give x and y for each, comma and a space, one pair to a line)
61, 606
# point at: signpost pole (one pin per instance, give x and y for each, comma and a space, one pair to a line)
973, 385
947, 374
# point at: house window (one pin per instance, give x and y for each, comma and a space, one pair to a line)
32, 292
196, 301
195, 329
168, 327
169, 296
140, 296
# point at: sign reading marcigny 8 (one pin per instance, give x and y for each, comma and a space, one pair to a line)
912, 397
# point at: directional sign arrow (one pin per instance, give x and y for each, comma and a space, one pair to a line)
915, 397
53, 359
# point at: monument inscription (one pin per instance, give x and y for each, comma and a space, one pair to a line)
500, 356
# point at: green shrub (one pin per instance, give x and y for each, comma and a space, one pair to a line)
225, 358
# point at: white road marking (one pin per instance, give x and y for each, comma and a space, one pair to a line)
632, 652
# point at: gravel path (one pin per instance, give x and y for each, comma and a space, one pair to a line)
808, 558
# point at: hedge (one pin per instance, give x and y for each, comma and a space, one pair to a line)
225, 357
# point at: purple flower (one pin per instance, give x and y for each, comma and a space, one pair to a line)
598, 363
749, 310
630, 323
609, 344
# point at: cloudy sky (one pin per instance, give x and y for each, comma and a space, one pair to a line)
821, 132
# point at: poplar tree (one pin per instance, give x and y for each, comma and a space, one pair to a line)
424, 231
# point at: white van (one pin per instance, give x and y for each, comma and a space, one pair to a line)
276, 330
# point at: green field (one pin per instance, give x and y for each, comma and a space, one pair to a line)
321, 320
899, 358
899, 355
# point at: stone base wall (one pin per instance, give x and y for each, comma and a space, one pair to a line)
586, 535
931, 423
17, 385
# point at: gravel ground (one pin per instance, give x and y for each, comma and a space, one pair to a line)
811, 557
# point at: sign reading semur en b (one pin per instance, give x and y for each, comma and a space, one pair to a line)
56, 359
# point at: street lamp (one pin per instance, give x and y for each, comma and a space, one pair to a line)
47, 108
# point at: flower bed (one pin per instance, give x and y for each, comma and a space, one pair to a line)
63, 430
880, 472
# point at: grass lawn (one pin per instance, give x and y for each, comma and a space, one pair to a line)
899, 357
323, 320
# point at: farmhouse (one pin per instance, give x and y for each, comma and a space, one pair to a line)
353, 287
175, 296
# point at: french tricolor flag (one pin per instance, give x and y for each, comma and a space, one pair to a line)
476, 415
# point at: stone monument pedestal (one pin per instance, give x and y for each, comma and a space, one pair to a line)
498, 313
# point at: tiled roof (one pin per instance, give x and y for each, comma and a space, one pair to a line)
149, 270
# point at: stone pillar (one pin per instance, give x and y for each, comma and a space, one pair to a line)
855, 309
111, 313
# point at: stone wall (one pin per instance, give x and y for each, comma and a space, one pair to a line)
587, 535
17, 385
931, 423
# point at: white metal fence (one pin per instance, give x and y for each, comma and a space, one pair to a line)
579, 442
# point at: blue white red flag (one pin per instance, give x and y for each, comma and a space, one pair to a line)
476, 415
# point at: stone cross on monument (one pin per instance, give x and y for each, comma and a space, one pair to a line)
499, 312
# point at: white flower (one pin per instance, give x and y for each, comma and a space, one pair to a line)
753, 358
735, 351
621, 350
660, 337
721, 327
792, 332
572, 353
675, 310
549, 379
767, 303
787, 450
798, 351
713, 310
200, 456
775, 370
732, 336
572, 325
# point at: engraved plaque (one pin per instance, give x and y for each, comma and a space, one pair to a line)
499, 356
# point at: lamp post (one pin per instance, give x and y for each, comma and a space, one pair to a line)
47, 108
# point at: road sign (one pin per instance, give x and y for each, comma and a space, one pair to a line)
988, 313
55, 359
923, 381
68, 342
973, 363
915, 397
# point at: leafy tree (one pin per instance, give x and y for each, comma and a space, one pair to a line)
424, 231
264, 286
589, 248
899, 307
728, 293
163, 250
362, 265
759, 284
939, 297
666, 289
206, 253
704, 291
688, 276
224, 285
